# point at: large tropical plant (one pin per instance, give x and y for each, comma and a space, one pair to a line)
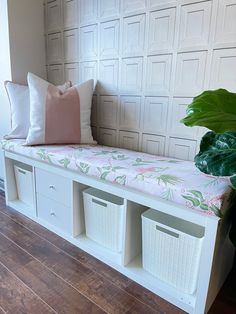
216, 110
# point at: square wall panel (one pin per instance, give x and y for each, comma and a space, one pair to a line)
129, 140
109, 39
70, 45
133, 35
88, 10
153, 4
153, 144
182, 148
161, 30
190, 73
132, 74
109, 8
158, 74
131, 6
226, 22
108, 78
53, 17
88, 42
87, 71
155, 114
178, 112
71, 72
55, 74
70, 13
108, 110
130, 108
107, 137
222, 76
195, 25
54, 47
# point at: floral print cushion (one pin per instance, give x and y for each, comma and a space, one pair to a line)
171, 179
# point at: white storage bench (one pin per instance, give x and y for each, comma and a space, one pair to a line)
124, 185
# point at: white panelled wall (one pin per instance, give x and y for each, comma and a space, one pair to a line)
150, 57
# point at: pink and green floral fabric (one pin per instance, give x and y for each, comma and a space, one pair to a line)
171, 179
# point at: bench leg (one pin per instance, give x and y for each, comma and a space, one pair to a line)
205, 266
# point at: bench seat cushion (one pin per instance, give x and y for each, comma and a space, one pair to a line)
171, 179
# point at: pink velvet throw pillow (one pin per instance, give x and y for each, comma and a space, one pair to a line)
58, 117
62, 116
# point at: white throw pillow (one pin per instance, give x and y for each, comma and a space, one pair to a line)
59, 117
19, 100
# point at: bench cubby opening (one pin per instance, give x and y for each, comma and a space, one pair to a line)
20, 187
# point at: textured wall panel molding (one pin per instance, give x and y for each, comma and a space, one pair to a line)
70, 14
195, 25
150, 57
109, 39
109, 8
108, 110
161, 30
226, 22
155, 115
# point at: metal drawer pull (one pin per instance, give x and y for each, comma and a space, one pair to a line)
99, 202
52, 213
52, 187
171, 233
21, 171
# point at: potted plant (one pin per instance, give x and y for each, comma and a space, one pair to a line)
216, 110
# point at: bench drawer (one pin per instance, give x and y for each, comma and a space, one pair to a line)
54, 213
54, 186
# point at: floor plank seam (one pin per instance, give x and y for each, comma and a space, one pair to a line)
58, 276
75, 260
22, 282
2, 310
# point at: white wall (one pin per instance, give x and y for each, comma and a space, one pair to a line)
27, 45
150, 57
5, 74
22, 49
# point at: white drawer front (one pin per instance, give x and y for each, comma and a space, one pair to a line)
54, 213
54, 186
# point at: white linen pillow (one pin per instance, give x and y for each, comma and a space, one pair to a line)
59, 117
19, 99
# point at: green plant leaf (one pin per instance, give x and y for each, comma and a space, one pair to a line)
65, 162
215, 110
168, 179
196, 193
121, 179
216, 210
204, 206
193, 200
217, 155
104, 175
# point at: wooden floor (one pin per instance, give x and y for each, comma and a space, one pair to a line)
42, 273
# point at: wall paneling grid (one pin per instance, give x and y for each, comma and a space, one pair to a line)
150, 57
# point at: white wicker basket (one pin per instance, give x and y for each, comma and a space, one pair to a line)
24, 184
103, 218
171, 249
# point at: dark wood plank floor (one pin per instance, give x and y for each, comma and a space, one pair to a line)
42, 273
